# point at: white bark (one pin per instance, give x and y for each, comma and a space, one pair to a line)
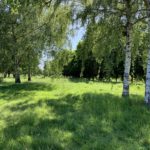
147, 86
127, 64
127, 67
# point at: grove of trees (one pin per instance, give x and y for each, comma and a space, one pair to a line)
115, 46
27, 28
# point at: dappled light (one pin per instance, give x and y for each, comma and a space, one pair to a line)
85, 120
74, 75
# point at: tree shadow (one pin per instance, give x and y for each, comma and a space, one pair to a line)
26, 87
17, 91
86, 80
88, 121
78, 80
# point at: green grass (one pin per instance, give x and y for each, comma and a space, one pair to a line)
63, 114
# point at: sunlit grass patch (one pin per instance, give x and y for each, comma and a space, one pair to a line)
70, 114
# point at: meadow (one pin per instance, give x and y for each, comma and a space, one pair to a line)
72, 114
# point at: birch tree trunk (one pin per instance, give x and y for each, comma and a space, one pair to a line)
147, 86
127, 64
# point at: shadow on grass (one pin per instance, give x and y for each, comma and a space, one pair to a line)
85, 80
10, 91
88, 121
26, 87
79, 80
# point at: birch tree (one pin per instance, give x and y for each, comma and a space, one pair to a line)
128, 13
147, 86
35, 25
127, 65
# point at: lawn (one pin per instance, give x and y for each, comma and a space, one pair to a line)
71, 114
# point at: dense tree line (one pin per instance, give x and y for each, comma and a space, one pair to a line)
73, 64
114, 46
125, 16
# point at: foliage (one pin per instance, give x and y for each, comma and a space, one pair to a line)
27, 28
70, 63
56, 65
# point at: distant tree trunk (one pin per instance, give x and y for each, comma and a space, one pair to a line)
82, 69
17, 71
16, 62
5, 74
147, 86
8, 74
17, 78
132, 78
17, 74
13, 75
116, 78
99, 70
29, 67
29, 73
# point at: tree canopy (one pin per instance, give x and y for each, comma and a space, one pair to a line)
114, 45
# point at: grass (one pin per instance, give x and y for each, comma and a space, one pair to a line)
63, 114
